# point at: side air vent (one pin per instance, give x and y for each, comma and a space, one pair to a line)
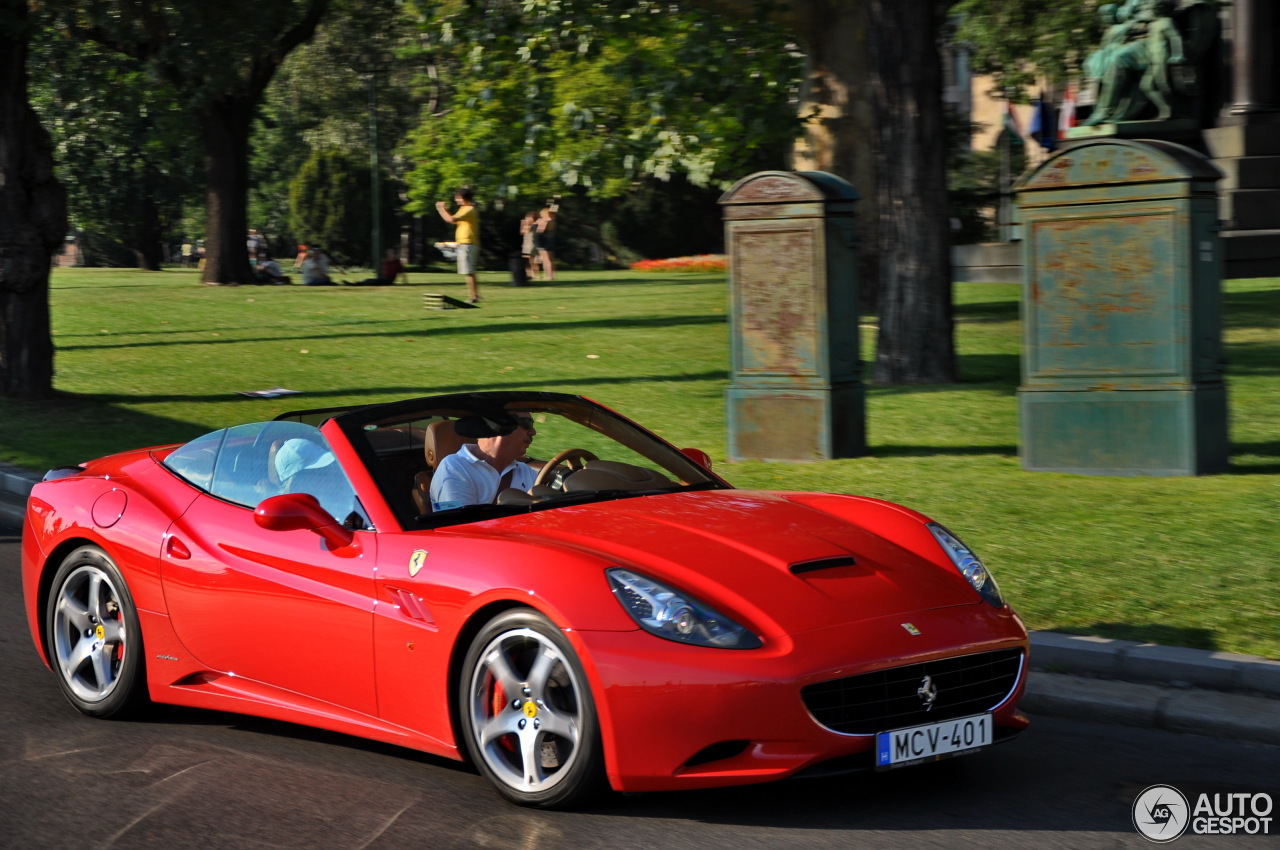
823, 564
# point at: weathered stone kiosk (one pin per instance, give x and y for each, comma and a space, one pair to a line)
796, 390
1122, 368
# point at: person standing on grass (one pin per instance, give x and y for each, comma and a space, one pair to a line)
466, 221
544, 240
528, 232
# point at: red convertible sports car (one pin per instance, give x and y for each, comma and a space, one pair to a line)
627, 620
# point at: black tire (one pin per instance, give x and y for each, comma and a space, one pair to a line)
528, 719
95, 641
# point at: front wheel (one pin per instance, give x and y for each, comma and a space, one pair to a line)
528, 718
95, 642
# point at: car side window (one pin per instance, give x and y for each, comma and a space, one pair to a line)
249, 463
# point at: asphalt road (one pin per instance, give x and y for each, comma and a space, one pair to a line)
186, 778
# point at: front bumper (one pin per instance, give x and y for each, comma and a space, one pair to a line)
676, 716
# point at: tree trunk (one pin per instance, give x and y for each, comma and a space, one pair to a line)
148, 236
916, 342
33, 221
838, 137
224, 126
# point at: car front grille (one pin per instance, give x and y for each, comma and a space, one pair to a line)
891, 699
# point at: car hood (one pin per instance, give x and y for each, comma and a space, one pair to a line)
752, 554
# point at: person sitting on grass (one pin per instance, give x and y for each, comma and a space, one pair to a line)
269, 271
391, 269
315, 269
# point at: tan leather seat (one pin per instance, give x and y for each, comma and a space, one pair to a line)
442, 440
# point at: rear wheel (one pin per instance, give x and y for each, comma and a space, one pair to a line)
528, 718
95, 642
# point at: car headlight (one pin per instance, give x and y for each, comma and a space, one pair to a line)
670, 614
968, 564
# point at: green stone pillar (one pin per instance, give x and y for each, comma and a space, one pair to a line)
796, 390
1122, 368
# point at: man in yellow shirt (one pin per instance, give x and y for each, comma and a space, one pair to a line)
466, 221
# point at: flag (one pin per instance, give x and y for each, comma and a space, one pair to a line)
1044, 124
1067, 118
1011, 123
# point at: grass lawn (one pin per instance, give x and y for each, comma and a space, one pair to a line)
148, 358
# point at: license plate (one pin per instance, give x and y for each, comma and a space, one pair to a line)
932, 741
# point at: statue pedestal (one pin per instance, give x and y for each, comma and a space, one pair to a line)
1183, 131
1247, 149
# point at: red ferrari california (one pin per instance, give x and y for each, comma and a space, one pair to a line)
613, 616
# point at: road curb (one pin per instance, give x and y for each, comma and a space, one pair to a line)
1243, 717
15, 486
1173, 666
1220, 694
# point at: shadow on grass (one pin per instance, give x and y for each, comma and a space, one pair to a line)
516, 324
1251, 309
987, 312
1252, 358
1266, 450
389, 393
69, 429
896, 450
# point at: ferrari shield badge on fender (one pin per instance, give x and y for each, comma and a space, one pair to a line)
911, 630
416, 560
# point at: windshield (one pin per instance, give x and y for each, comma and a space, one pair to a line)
555, 450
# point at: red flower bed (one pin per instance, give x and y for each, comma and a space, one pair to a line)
701, 263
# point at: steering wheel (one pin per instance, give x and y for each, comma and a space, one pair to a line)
568, 456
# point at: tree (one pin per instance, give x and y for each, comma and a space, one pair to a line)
875, 88
1020, 41
32, 219
330, 206
121, 142
538, 97
915, 343
319, 102
220, 57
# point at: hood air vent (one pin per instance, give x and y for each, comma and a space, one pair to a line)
823, 564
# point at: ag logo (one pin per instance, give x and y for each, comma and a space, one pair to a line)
416, 560
1161, 814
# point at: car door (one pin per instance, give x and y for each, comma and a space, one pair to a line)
282, 608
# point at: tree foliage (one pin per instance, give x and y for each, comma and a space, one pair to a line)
1017, 40
320, 102
219, 57
330, 205
122, 142
529, 98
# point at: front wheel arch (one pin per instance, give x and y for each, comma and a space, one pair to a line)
51, 564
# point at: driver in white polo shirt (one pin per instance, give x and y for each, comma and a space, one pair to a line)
478, 472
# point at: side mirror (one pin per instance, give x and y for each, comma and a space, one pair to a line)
297, 511
698, 456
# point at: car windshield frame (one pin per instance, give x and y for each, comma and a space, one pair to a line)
355, 424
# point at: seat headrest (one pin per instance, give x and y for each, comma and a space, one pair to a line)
442, 441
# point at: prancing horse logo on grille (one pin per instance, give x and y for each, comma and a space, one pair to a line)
928, 692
